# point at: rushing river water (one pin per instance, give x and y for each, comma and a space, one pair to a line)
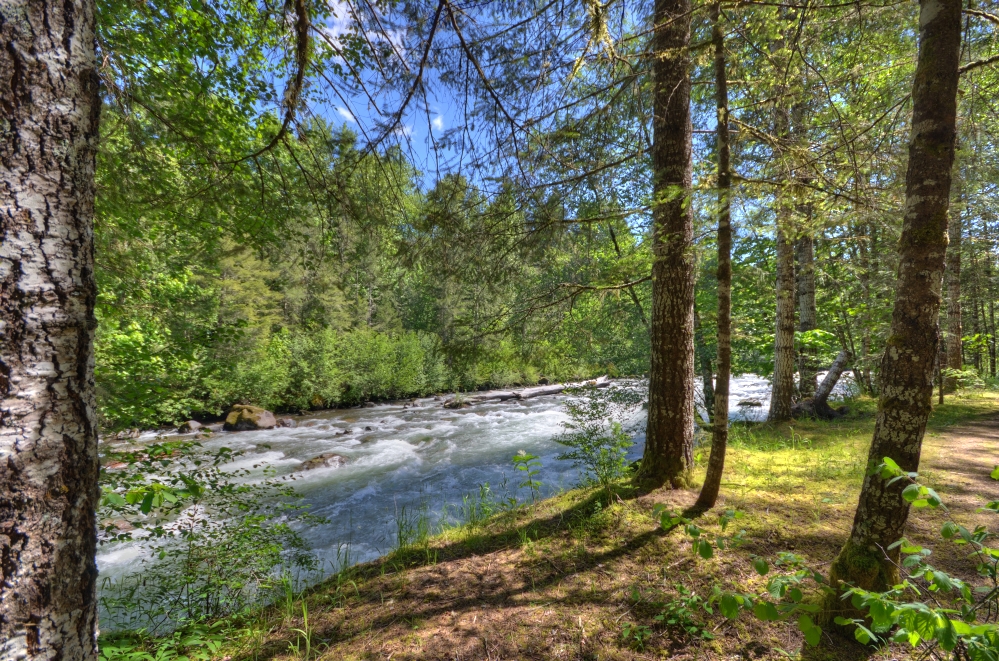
407, 454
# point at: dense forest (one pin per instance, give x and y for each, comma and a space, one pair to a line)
398, 221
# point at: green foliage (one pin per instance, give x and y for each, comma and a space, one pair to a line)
636, 635
216, 535
681, 614
967, 377
191, 642
530, 466
929, 607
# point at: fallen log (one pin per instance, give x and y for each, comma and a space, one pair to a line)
526, 393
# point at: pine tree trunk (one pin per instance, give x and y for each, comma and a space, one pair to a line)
955, 360
782, 396
719, 428
906, 377
807, 317
864, 373
48, 434
976, 329
669, 445
990, 318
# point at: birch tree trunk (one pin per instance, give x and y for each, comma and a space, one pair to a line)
719, 428
669, 445
48, 436
906, 380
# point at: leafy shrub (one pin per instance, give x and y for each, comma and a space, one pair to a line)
598, 444
217, 541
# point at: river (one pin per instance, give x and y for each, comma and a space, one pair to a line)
407, 454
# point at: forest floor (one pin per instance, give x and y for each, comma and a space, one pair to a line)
569, 578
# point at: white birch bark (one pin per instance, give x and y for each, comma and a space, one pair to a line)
48, 435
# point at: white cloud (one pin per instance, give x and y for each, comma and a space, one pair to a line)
438, 122
346, 114
404, 130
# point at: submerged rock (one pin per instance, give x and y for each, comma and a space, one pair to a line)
328, 460
245, 418
287, 422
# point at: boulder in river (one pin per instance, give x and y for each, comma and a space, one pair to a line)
287, 422
750, 402
189, 427
328, 460
245, 418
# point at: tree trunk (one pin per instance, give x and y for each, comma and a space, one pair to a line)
719, 428
863, 374
976, 329
906, 377
782, 395
707, 373
669, 445
954, 330
48, 434
807, 318
990, 318
818, 405
832, 377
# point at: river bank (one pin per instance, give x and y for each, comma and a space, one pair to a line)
576, 577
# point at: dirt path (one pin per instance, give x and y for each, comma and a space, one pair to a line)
958, 462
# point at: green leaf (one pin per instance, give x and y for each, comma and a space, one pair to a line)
766, 611
948, 530
812, 633
704, 549
911, 492
761, 566
729, 606
947, 636
995, 473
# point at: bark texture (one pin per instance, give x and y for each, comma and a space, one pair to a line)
954, 330
782, 395
669, 446
906, 385
48, 437
719, 428
804, 255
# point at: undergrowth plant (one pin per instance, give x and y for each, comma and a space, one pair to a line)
530, 465
594, 435
928, 609
218, 539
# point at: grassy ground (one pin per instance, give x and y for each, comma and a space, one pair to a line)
573, 578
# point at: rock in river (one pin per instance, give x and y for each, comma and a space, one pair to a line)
189, 427
245, 418
287, 422
329, 459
